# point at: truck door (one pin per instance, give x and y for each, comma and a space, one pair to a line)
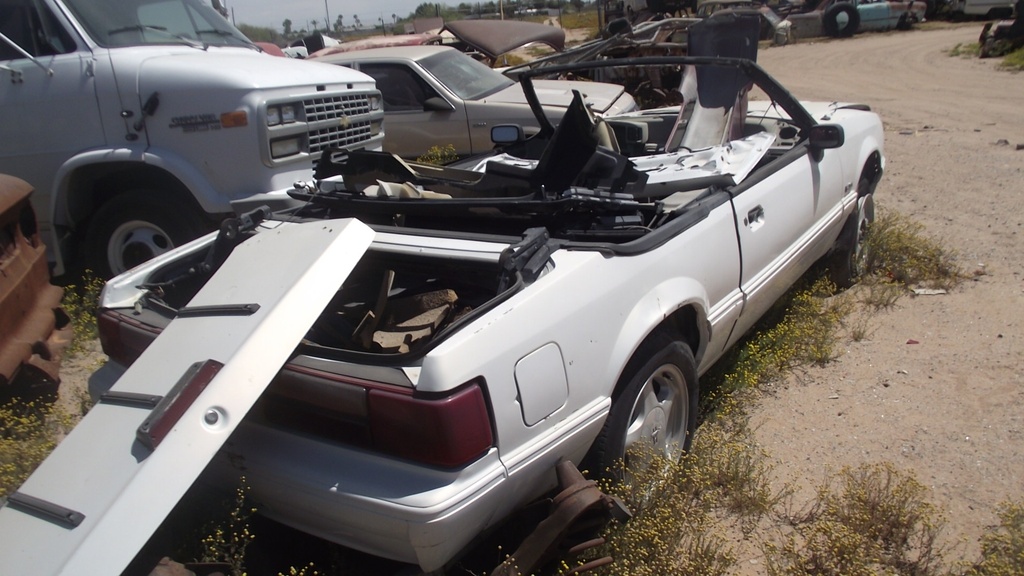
48, 97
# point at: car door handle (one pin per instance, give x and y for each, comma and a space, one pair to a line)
755, 215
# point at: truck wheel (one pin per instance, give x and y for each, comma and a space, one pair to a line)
132, 228
848, 261
841, 20
655, 403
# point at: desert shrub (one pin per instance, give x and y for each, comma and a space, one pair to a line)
676, 526
876, 521
81, 303
1013, 61
898, 251
29, 431
802, 330
1002, 547
227, 540
968, 50
439, 155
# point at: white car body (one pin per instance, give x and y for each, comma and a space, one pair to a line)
585, 308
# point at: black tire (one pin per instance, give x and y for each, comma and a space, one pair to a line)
135, 226
657, 392
905, 22
840, 20
846, 264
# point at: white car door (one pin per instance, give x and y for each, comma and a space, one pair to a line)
783, 217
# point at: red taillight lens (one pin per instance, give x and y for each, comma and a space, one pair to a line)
122, 338
448, 431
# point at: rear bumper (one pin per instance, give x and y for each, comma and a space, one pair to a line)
377, 505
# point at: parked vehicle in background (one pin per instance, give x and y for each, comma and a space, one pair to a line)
398, 363
138, 122
989, 9
36, 330
438, 96
842, 18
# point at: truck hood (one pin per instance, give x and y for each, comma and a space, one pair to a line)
602, 98
237, 68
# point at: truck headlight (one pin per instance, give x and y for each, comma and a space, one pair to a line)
280, 114
374, 102
284, 147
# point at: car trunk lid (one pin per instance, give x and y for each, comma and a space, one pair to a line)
101, 494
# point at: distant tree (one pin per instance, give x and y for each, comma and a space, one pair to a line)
425, 10
339, 25
287, 25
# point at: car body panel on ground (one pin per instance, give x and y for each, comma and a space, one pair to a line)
160, 425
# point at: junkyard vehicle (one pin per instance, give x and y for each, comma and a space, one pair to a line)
1004, 36
166, 114
35, 328
402, 359
843, 18
651, 87
982, 8
438, 96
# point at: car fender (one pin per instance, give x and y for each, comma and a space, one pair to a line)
653, 310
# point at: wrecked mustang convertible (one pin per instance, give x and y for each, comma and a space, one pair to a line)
397, 363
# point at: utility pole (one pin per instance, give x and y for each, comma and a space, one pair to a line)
327, 22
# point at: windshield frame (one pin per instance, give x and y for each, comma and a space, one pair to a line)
117, 24
452, 68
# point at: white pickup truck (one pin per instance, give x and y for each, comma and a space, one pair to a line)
138, 121
398, 363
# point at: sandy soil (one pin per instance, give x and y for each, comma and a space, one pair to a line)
938, 386
948, 407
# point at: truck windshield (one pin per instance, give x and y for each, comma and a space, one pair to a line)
118, 23
467, 78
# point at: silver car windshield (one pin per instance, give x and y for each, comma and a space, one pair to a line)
118, 23
464, 76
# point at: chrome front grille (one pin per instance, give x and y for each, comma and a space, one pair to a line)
330, 121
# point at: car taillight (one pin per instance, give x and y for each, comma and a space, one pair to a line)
445, 430
122, 338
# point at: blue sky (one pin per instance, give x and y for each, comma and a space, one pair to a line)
271, 13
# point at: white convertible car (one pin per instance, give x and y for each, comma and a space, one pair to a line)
397, 363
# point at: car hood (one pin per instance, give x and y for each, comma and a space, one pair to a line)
496, 37
602, 98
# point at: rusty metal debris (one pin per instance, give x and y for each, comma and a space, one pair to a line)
35, 329
578, 513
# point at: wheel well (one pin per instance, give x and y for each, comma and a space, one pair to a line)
92, 186
872, 170
681, 325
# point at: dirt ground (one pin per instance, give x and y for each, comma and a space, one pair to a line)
948, 406
938, 387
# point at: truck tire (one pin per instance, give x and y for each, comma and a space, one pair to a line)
840, 20
655, 401
135, 226
847, 262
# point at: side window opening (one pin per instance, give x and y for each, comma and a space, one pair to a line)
33, 28
401, 89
